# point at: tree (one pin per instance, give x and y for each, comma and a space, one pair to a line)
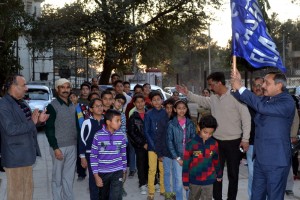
14, 21
111, 24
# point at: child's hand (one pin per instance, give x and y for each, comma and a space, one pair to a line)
84, 163
186, 188
180, 162
161, 159
98, 180
124, 176
146, 146
219, 179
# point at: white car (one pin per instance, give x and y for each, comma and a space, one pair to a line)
38, 96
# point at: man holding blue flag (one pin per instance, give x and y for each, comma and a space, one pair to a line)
273, 120
250, 37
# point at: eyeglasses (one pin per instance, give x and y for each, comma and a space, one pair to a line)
97, 106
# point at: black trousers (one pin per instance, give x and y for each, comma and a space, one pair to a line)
229, 152
79, 169
112, 186
295, 164
142, 165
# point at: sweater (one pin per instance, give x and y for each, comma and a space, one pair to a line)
234, 120
201, 165
61, 126
108, 153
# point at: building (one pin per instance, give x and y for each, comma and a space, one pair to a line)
37, 66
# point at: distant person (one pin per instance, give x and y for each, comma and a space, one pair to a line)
114, 77
93, 95
88, 130
233, 131
175, 95
108, 157
19, 146
201, 165
181, 129
61, 133
119, 88
127, 88
95, 88
205, 92
272, 144
95, 81
201, 110
85, 90
137, 89
257, 89
73, 98
107, 100
146, 91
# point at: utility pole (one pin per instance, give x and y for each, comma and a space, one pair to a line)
87, 57
283, 48
33, 59
209, 56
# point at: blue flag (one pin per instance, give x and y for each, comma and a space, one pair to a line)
250, 37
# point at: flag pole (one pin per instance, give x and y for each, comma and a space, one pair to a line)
234, 63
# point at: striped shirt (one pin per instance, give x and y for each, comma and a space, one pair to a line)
108, 153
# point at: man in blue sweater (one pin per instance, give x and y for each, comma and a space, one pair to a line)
273, 120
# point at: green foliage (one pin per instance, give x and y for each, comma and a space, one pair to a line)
121, 28
14, 21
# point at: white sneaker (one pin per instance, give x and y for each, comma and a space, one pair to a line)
143, 189
157, 188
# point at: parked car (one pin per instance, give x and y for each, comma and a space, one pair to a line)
38, 96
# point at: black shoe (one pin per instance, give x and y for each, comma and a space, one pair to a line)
289, 192
2, 169
80, 178
131, 174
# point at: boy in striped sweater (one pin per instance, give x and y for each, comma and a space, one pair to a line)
108, 157
201, 165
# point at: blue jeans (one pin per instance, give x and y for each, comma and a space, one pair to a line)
168, 170
178, 179
250, 163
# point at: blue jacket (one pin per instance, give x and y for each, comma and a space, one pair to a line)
152, 117
175, 136
161, 140
87, 133
273, 121
19, 146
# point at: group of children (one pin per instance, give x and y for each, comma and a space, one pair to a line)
164, 138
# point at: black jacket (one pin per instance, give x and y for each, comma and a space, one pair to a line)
135, 130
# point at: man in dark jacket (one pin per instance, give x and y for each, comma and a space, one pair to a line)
273, 120
19, 146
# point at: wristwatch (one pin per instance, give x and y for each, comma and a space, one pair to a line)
178, 158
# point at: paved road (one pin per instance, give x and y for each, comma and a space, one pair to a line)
42, 181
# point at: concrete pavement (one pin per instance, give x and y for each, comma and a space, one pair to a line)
42, 181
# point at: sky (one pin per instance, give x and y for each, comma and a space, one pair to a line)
220, 28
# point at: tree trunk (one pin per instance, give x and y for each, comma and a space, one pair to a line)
107, 68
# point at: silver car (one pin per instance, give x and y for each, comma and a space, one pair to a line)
38, 96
